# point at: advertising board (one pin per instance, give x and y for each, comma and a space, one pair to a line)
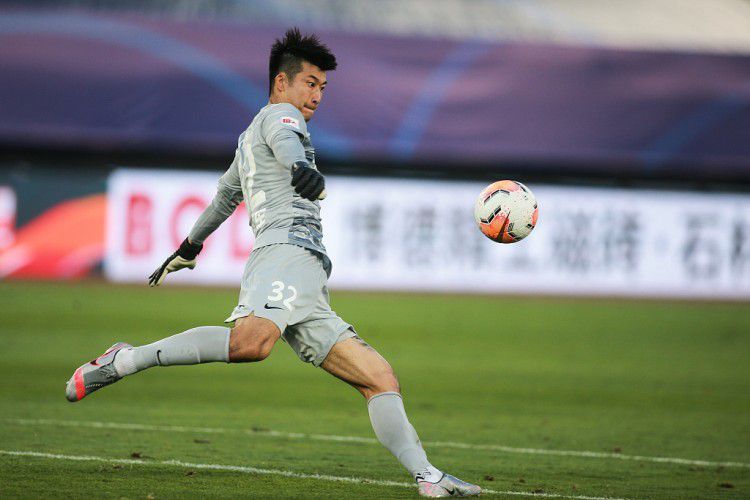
419, 235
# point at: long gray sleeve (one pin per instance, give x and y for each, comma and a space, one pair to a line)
228, 196
287, 147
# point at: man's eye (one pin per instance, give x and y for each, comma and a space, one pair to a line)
311, 84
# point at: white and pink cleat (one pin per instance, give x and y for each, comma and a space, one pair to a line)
95, 374
448, 486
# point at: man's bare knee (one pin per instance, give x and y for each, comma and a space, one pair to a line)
358, 364
252, 339
385, 381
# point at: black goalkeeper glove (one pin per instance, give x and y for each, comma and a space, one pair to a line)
182, 258
308, 182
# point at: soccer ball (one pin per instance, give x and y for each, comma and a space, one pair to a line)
506, 211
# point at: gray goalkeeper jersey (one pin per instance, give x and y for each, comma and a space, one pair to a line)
261, 175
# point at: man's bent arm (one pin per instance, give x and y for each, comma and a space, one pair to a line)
287, 147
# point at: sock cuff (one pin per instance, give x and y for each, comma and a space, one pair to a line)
124, 363
387, 393
226, 350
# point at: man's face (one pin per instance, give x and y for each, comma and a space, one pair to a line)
305, 91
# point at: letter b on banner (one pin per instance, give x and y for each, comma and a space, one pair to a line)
139, 225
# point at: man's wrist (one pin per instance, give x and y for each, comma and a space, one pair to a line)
189, 250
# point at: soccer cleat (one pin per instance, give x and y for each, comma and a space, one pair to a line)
448, 486
94, 375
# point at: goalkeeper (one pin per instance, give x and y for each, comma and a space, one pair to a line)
283, 293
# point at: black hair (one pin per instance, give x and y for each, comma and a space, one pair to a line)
288, 53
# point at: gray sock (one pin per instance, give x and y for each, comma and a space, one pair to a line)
204, 344
394, 431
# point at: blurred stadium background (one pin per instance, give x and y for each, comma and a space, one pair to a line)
630, 121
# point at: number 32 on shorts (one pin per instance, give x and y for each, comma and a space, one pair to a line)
277, 293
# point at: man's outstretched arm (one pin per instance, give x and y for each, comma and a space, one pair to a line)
228, 196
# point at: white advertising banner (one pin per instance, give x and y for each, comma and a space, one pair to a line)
395, 234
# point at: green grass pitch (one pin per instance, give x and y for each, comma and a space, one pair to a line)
486, 381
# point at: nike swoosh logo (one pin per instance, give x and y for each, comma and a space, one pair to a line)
158, 359
272, 307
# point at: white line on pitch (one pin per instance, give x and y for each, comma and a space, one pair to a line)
357, 439
274, 472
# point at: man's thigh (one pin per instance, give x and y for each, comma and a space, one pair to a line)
314, 338
252, 339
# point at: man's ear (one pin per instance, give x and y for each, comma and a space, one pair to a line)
280, 82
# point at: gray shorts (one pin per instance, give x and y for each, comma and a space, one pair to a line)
287, 284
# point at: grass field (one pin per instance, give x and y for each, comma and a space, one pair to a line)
495, 386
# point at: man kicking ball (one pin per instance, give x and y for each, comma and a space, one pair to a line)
283, 292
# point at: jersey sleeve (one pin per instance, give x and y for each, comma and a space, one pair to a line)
228, 196
283, 130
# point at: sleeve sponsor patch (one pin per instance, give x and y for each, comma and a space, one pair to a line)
288, 120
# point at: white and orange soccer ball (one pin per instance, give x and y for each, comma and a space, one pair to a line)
506, 211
